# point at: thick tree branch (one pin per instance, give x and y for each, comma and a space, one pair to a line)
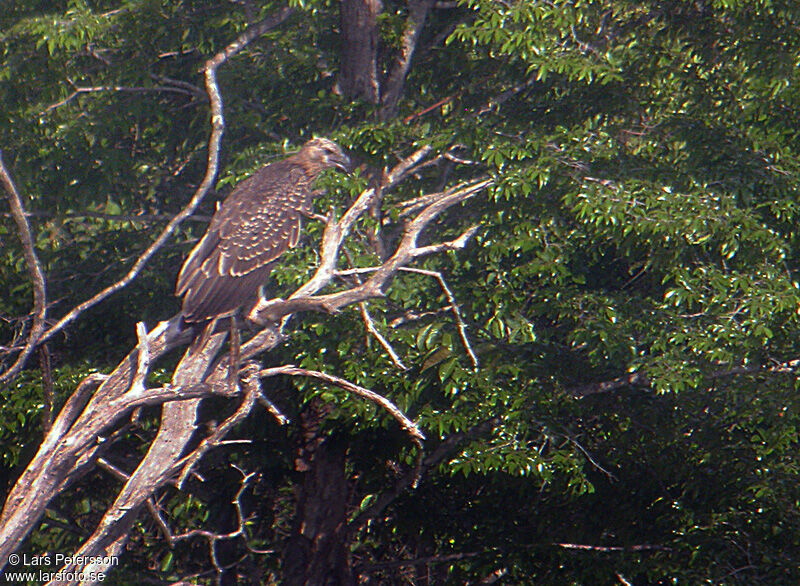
304, 299
393, 88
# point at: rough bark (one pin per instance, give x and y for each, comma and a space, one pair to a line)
396, 78
316, 553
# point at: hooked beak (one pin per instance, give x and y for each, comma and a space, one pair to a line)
342, 162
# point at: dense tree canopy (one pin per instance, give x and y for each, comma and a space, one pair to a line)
631, 291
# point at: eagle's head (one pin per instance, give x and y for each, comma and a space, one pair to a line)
324, 153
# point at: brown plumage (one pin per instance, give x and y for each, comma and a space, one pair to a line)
256, 223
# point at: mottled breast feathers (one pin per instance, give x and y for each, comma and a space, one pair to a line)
255, 225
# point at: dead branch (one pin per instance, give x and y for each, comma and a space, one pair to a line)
213, 538
453, 307
408, 425
104, 464
369, 323
115, 88
303, 299
251, 394
34, 271
73, 440
462, 327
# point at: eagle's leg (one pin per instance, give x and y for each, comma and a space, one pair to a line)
234, 360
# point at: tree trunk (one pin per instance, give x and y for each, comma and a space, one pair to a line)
358, 75
317, 554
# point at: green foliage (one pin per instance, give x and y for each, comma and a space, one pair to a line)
642, 222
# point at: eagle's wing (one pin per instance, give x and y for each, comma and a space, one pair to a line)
256, 224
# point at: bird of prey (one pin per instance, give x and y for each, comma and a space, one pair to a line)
256, 223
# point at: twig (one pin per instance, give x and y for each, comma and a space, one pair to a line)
398, 415
370, 325
441, 102
213, 538
34, 271
589, 457
104, 464
462, 327
115, 88
265, 402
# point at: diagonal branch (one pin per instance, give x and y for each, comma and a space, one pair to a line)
34, 270
303, 299
462, 327
214, 141
408, 425
393, 88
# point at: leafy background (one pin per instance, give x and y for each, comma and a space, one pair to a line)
641, 233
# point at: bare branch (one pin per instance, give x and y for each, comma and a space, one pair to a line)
370, 325
303, 299
104, 464
462, 327
34, 271
213, 538
251, 394
74, 437
380, 400
115, 88
217, 129
455, 244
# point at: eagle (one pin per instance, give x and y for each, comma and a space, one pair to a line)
256, 224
